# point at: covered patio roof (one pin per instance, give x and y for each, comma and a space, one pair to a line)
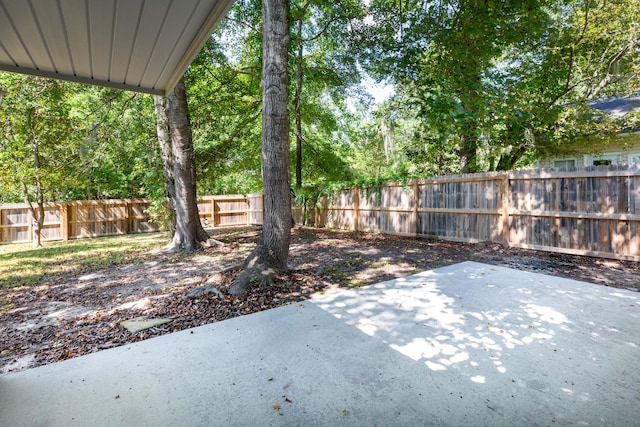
138, 45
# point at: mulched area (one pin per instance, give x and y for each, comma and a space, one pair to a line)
80, 314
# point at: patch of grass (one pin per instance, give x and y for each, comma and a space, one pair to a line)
20, 265
358, 284
337, 273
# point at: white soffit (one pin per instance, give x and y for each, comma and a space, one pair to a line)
138, 45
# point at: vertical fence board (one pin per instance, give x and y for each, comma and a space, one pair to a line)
591, 211
83, 219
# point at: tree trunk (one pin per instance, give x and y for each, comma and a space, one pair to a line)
468, 153
508, 160
174, 136
270, 256
468, 148
37, 214
298, 107
164, 139
388, 138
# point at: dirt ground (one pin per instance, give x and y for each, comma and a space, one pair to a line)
82, 313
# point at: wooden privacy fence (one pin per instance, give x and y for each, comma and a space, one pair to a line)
75, 220
591, 211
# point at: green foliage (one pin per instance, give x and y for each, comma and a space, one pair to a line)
498, 83
225, 105
224, 92
480, 85
38, 144
119, 152
93, 143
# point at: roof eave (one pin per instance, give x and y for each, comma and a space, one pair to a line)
83, 80
217, 14
177, 62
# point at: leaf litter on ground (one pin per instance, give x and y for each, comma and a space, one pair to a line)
73, 313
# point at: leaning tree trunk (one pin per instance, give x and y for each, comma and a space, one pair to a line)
179, 163
269, 258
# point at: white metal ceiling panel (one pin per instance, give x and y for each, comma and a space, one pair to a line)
77, 36
101, 24
141, 45
171, 37
52, 29
152, 22
15, 28
128, 16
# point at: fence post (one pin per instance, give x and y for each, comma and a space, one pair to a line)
504, 194
356, 209
31, 226
416, 204
127, 217
64, 221
214, 217
247, 201
213, 212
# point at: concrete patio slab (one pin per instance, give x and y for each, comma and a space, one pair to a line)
468, 344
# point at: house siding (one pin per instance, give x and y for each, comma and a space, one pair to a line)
624, 150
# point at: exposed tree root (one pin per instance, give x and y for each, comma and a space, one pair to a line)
259, 267
208, 287
203, 290
184, 244
249, 276
211, 242
175, 247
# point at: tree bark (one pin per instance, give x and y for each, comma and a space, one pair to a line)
508, 160
270, 256
467, 154
298, 105
468, 151
174, 136
164, 139
37, 215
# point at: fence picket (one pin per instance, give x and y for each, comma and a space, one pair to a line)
81, 219
588, 211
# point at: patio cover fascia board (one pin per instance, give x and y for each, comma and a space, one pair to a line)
46, 17
212, 21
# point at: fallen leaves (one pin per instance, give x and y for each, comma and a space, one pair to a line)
319, 259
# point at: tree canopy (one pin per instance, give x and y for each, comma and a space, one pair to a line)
479, 85
502, 82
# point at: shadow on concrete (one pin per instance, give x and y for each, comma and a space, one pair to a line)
469, 344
